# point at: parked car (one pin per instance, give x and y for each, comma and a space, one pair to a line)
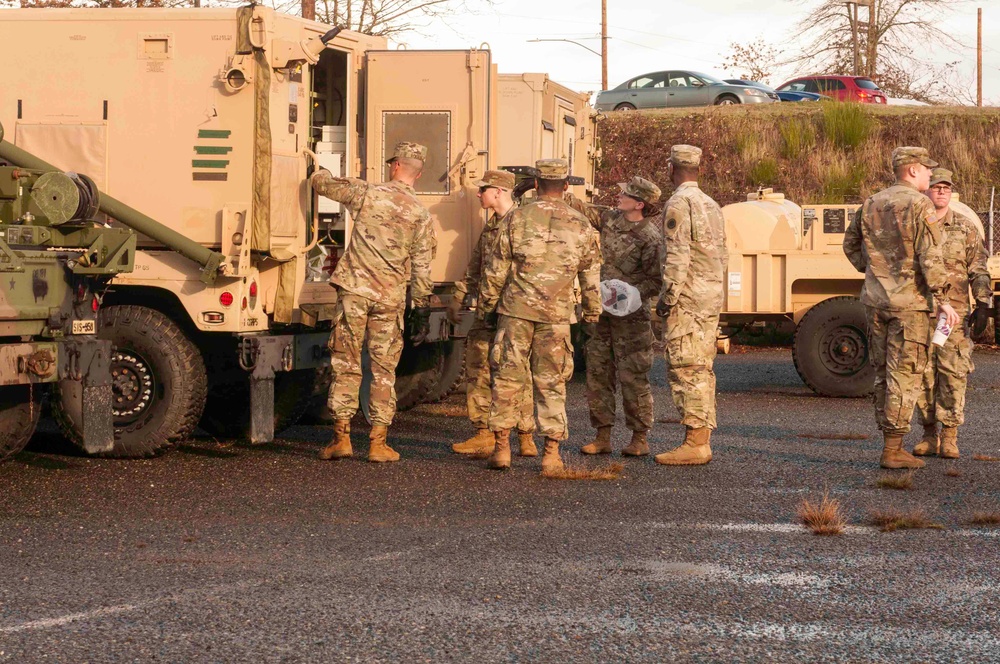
669, 89
841, 88
774, 94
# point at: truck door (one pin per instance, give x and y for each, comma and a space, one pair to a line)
443, 100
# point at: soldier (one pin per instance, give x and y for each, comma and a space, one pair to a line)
895, 240
695, 260
622, 347
494, 195
528, 283
942, 397
392, 243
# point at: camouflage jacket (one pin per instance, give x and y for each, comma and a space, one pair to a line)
632, 250
538, 255
965, 258
695, 252
895, 240
392, 242
483, 249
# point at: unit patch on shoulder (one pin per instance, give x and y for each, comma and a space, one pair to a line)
671, 223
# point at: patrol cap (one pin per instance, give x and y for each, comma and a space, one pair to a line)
552, 169
642, 189
502, 179
408, 150
941, 176
685, 155
912, 155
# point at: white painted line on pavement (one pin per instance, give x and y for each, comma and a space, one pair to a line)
72, 617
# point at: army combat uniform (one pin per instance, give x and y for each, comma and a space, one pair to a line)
942, 395
392, 244
894, 240
695, 262
478, 391
529, 282
621, 349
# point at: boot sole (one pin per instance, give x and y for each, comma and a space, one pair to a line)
595, 453
949, 456
475, 451
335, 458
901, 466
684, 463
634, 454
528, 454
381, 460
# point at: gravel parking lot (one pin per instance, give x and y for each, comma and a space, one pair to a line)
226, 552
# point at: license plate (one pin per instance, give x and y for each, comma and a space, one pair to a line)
84, 327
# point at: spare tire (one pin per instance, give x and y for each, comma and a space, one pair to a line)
830, 349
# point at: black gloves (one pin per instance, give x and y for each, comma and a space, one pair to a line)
980, 318
662, 309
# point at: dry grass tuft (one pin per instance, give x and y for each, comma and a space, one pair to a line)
953, 472
834, 436
824, 517
897, 481
892, 519
611, 471
985, 518
984, 457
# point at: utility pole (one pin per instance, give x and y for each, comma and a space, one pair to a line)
979, 59
852, 14
604, 44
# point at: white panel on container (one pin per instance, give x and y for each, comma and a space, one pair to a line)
332, 163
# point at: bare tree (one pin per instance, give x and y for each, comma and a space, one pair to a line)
384, 18
754, 61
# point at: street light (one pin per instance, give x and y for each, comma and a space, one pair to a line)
603, 56
567, 40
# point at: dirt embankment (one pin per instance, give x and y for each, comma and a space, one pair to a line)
813, 153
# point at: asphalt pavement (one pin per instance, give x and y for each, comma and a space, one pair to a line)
225, 552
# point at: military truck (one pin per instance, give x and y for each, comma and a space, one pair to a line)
200, 117
55, 267
786, 263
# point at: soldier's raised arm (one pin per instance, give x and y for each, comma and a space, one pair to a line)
676, 249
854, 246
589, 275
421, 254
349, 191
496, 266
595, 214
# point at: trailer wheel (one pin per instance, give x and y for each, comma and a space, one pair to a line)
20, 406
158, 383
831, 349
293, 392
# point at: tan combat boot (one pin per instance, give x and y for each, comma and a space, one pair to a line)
694, 451
949, 443
340, 447
379, 450
551, 461
481, 442
500, 459
928, 445
526, 444
638, 446
894, 456
601, 444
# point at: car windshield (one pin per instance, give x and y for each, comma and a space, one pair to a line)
711, 80
866, 84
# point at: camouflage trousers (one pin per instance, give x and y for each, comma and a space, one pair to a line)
942, 392
478, 388
897, 341
621, 351
354, 319
524, 352
690, 355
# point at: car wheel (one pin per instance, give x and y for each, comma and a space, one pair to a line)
625, 107
727, 100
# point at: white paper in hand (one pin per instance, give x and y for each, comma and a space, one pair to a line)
619, 298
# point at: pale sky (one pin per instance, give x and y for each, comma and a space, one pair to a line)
651, 36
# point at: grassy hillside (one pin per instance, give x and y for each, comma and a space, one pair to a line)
813, 153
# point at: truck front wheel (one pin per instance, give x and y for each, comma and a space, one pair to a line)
20, 407
158, 383
831, 349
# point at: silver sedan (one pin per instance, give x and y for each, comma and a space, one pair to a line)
669, 89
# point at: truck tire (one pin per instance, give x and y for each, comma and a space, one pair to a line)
20, 406
830, 349
452, 371
158, 383
293, 392
419, 370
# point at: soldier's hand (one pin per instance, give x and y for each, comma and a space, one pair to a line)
662, 308
951, 316
420, 324
980, 318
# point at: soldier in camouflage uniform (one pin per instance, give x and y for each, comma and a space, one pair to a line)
695, 261
622, 347
942, 396
494, 195
528, 282
895, 240
392, 244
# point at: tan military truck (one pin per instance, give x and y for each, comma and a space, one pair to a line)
786, 262
200, 117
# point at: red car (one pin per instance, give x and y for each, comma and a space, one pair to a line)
842, 88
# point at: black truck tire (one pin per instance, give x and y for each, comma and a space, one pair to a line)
452, 371
293, 395
158, 383
830, 349
419, 370
20, 406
